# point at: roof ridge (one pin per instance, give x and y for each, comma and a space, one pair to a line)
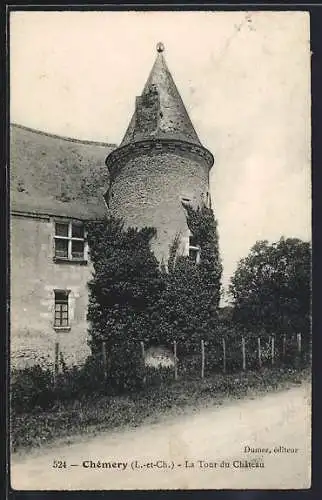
65, 138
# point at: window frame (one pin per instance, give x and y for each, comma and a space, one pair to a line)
193, 247
58, 326
70, 239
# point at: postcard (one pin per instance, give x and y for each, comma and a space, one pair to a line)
160, 242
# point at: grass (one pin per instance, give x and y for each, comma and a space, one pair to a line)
70, 420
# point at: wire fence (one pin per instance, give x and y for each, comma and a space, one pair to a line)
220, 355
138, 365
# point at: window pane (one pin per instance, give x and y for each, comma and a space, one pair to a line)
61, 308
61, 248
77, 230
77, 249
193, 254
61, 296
61, 229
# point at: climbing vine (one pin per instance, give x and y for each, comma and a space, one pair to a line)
188, 305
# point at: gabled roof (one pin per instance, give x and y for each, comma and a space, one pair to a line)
57, 175
173, 121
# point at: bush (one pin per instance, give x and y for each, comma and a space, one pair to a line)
31, 388
35, 388
127, 370
81, 381
158, 376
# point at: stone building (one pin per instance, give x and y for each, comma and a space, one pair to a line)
159, 164
56, 185
59, 183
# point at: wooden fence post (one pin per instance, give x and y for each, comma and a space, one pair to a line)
284, 346
259, 352
142, 349
273, 349
299, 343
202, 359
143, 360
224, 354
56, 364
104, 356
175, 360
244, 353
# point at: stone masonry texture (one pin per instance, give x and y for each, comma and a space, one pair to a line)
34, 276
148, 188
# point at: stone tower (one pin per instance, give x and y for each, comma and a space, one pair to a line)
160, 163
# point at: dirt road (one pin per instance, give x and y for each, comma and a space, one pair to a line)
173, 453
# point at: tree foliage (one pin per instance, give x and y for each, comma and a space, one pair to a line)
203, 225
126, 282
271, 287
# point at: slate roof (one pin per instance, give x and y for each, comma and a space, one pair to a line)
57, 175
174, 121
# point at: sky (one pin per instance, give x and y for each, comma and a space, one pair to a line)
244, 79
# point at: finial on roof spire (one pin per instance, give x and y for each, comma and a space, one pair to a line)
160, 47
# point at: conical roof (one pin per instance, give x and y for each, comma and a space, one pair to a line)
160, 112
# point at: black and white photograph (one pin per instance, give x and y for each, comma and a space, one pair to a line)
160, 250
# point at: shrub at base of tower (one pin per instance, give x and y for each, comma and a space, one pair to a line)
188, 305
126, 283
133, 298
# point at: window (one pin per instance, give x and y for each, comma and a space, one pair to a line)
61, 308
208, 200
69, 241
192, 241
194, 249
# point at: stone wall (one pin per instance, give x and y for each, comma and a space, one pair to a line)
148, 188
34, 276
